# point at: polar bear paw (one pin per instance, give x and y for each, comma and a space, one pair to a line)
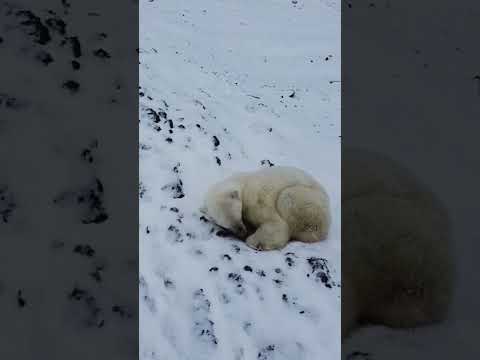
269, 236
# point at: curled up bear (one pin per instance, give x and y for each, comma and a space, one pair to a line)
397, 258
270, 207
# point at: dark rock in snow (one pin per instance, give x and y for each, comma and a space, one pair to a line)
85, 250
76, 47
264, 353
227, 257
267, 162
7, 204
75, 65
96, 274
57, 25
21, 302
154, 115
38, 29
71, 85
101, 53
44, 57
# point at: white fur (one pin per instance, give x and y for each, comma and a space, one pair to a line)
271, 206
396, 258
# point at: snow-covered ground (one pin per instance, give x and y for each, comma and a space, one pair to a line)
230, 86
409, 122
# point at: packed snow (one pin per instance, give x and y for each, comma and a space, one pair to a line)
231, 86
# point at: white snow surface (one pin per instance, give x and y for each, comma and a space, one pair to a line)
228, 69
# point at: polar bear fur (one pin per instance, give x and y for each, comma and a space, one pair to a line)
397, 267
270, 206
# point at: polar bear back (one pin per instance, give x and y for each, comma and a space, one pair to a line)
306, 210
263, 187
397, 267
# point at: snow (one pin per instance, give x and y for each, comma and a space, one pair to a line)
229, 69
448, 165
262, 77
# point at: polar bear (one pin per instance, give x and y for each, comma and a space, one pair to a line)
397, 267
271, 206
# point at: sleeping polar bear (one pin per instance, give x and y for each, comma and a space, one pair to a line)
270, 206
397, 256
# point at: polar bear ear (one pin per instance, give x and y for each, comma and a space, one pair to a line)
235, 194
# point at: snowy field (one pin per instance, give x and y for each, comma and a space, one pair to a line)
456, 338
231, 86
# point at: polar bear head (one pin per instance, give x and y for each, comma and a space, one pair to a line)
223, 204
